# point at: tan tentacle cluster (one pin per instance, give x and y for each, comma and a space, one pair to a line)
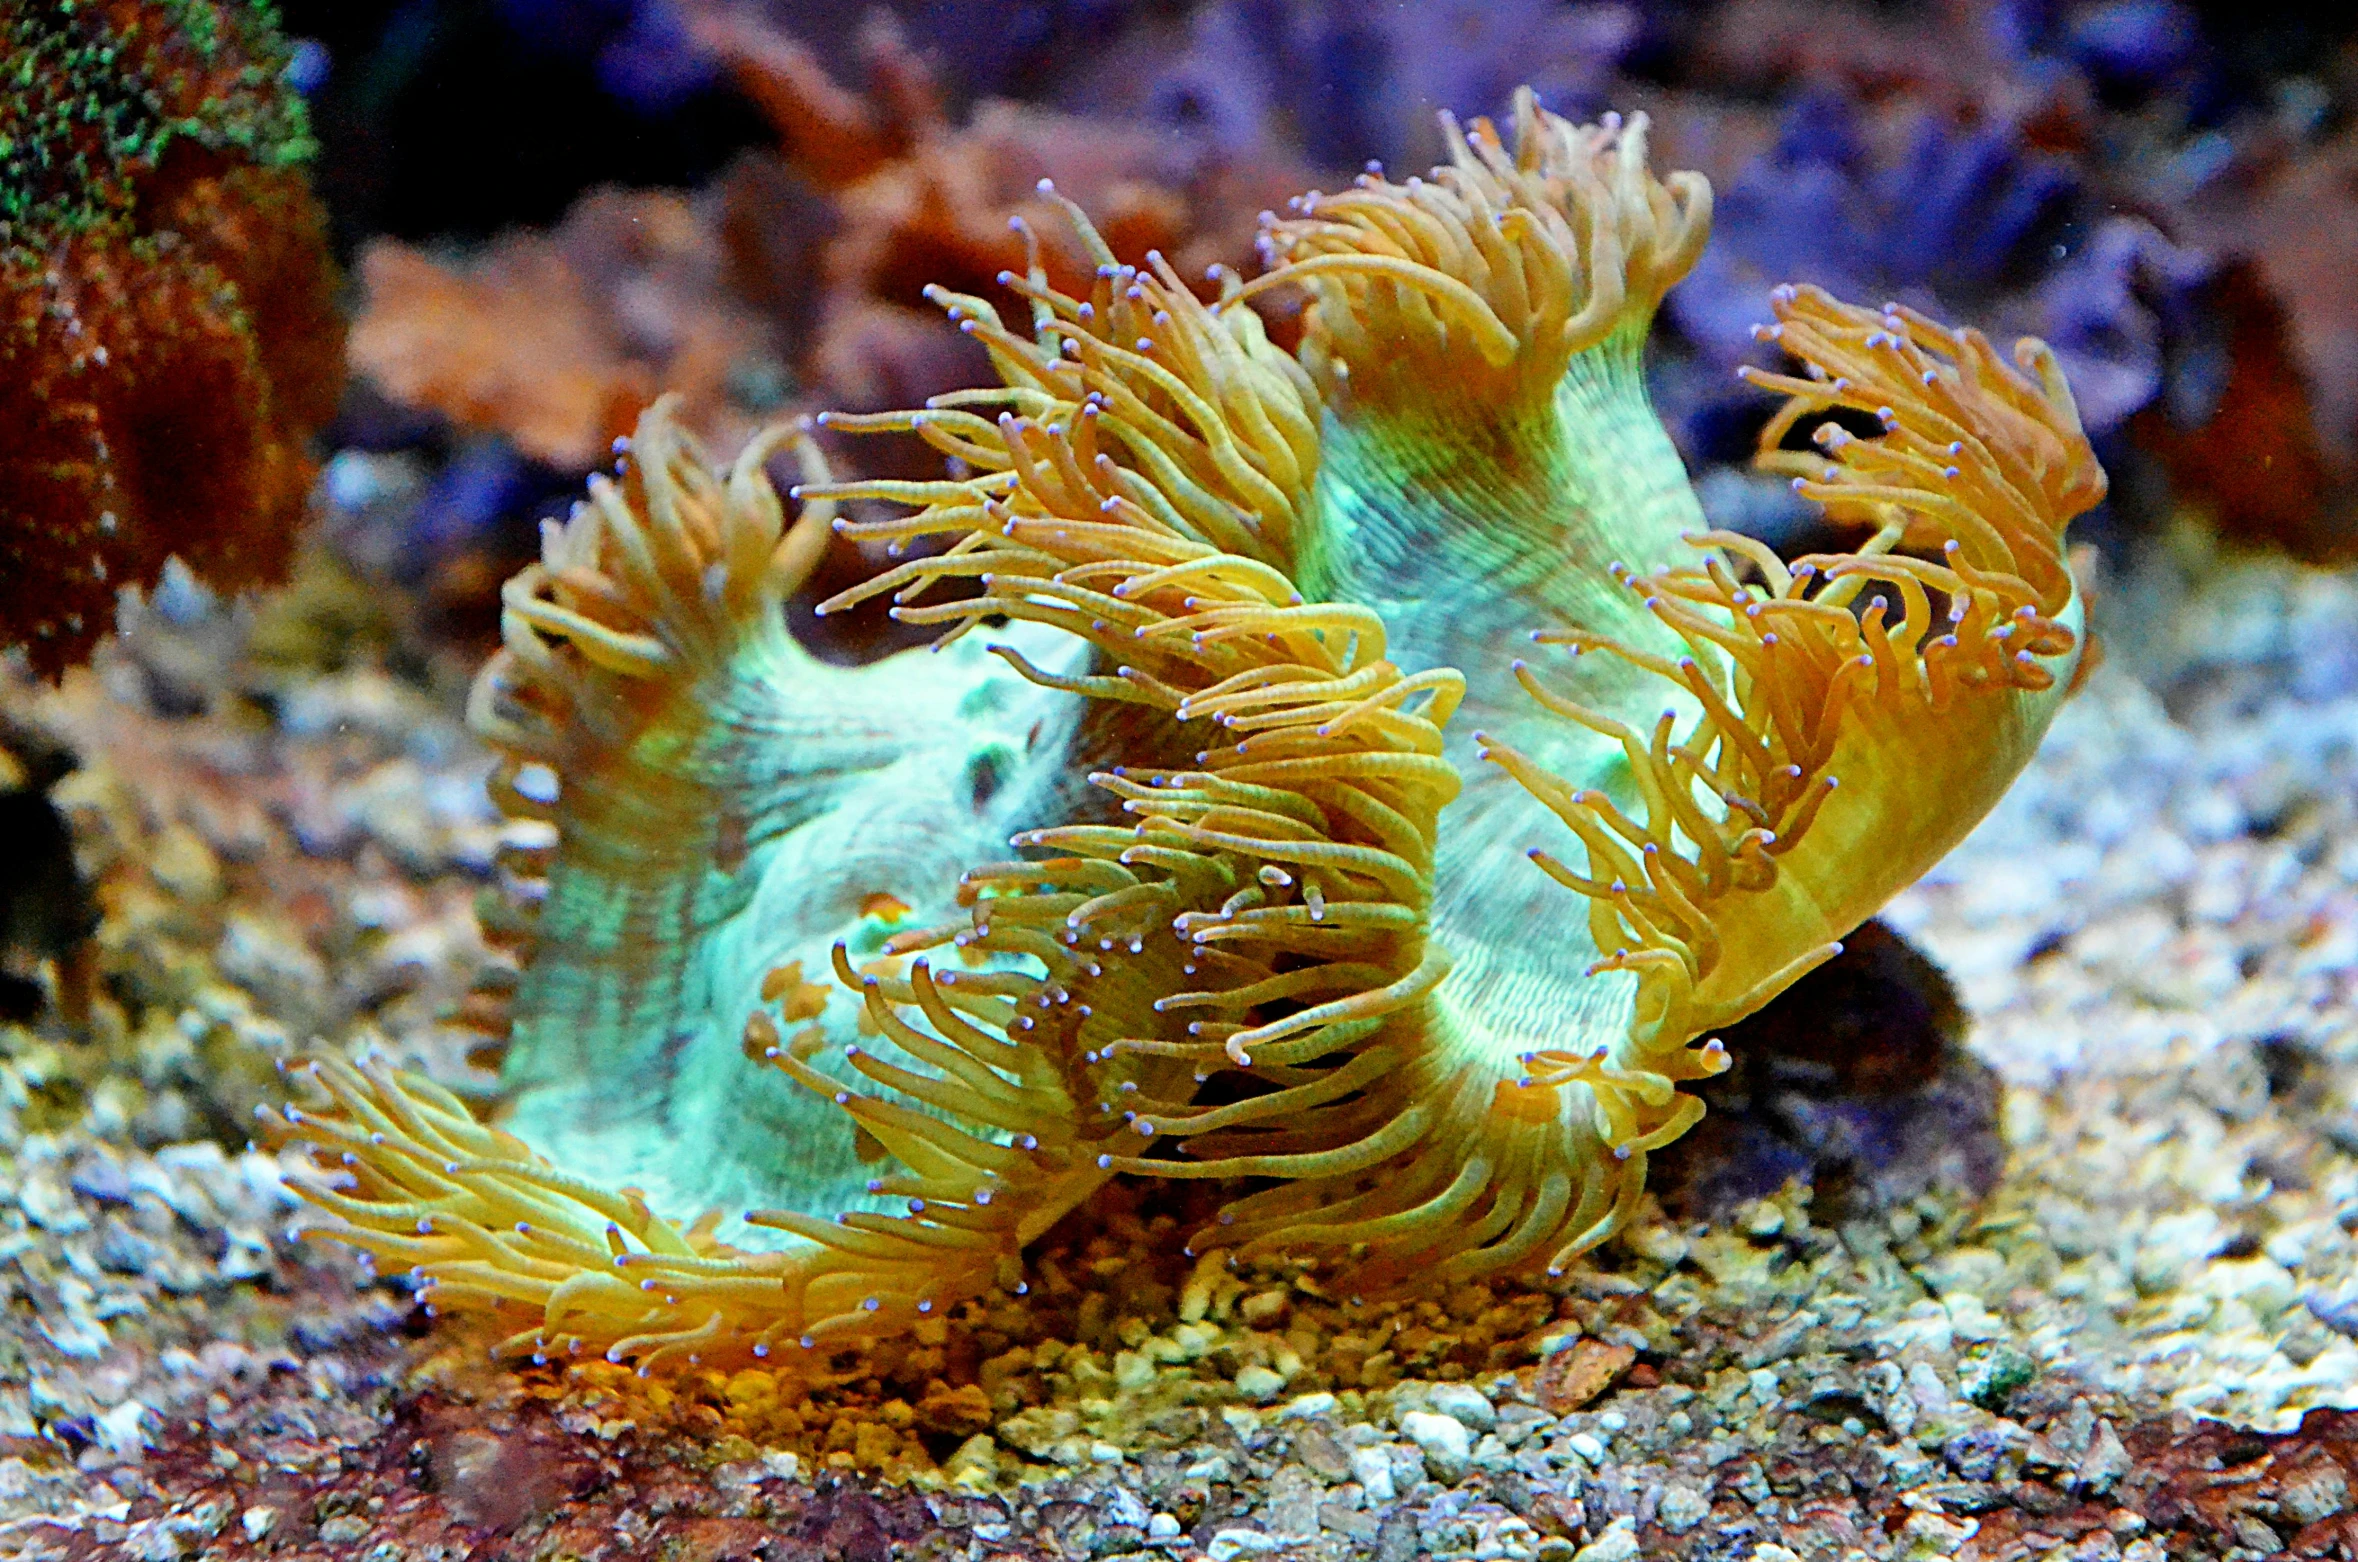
1975, 460
486, 1226
653, 576
640, 593
1216, 430
1833, 752
1498, 268
998, 1158
648, 582
1439, 1169
1265, 912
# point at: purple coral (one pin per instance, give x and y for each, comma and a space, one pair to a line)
1348, 82
1963, 218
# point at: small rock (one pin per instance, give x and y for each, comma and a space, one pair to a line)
1681, 1508
1162, 1526
1447, 1446
2316, 1491
1570, 1378
1038, 1429
1373, 1471
344, 1529
1211, 1467
1259, 1384
102, 1178
48, 1203
1619, 1543
1516, 1423
1229, 1544
1292, 1509
1928, 1535
121, 1250
1976, 1452
1320, 1453
1353, 1522
2258, 1534
1466, 1404
166, 1539
2071, 1434
1132, 1370
122, 1430
258, 1520
76, 1334
1265, 1309
1990, 1375
2339, 1314
1930, 1393
2106, 1461
976, 1458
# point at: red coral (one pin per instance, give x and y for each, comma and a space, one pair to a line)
2255, 462
2302, 235
159, 389
168, 340
925, 201
2279, 459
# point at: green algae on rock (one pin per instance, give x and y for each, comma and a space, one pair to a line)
1246, 706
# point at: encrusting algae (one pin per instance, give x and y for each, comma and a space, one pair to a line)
1245, 703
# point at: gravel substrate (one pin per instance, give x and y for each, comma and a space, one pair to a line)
2132, 1345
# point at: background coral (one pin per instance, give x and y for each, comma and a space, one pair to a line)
797, 276
559, 340
2113, 177
168, 340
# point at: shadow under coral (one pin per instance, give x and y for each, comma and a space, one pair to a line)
1854, 1082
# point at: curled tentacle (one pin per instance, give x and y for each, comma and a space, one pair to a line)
1853, 714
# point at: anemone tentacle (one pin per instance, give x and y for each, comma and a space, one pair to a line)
1285, 872
1498, 269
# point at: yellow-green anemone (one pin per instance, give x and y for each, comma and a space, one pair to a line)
1224, 832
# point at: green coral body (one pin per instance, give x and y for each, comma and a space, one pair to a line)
743, 832
1466, 531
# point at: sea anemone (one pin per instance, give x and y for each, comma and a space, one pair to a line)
1244, 706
